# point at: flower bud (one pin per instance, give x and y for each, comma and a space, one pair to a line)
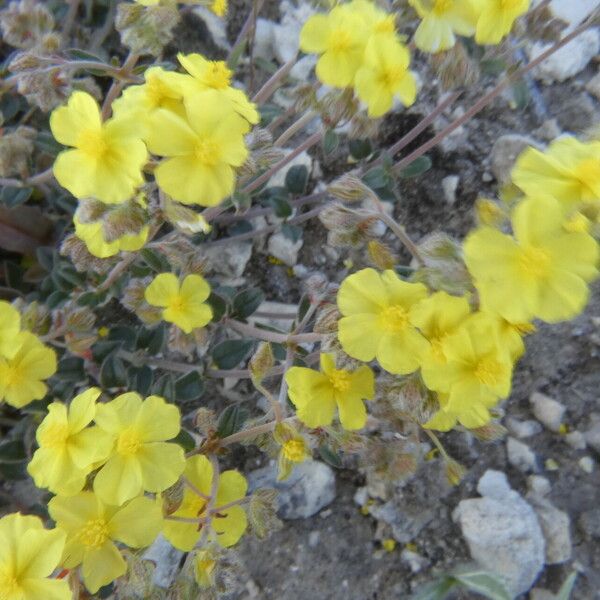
349, 188
24, 23
261, 362
381, 256
15, 151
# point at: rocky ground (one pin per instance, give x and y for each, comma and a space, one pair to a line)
529, 506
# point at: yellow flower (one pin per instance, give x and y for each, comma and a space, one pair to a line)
205, 563
10, 325
28, 556
140, 458
477, 370
21, 375
214, 76
339, 39
67, 446
510, 335
385, 75
219, 7
376, 320
294, 449
162, 89
107, 158
569, 170
375, 21
183, 304
469, 415
497, 19
438, 317
540, 274
92, 528
202, 151
442, 20
317, 394
227, 524
92, 234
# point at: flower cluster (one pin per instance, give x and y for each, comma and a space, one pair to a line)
358, 47
25, 362
196, 121
102, 461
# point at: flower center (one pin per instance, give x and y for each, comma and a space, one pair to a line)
488, 371
293, 450
534, 262
389, 77
217, 75
94, 533
55, 436
129, 442
340, 380
442, 6
219, 7
205, 152
91, 141
394, 318
341, 40
9, 586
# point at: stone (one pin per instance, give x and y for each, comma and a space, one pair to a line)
569, 60
521, 456
505, 151
503, 533
548, 131
593, 86
547, 411
538, 485
493, 484
166, 558
302, 69
556, 528
282, 247
303, 159
274, 309
523, 429
286, 33
406, 520
263, 39
587, 464
416, 563
309, 489
589, 522
576, 113
592, 437
450, 186
576, 440
571, 12
229, 260
313, 539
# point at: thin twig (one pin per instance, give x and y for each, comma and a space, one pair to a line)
272, 336
270, 87
295, 127
401, 234
249, 23
118, 85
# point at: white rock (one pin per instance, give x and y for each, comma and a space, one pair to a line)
520, 455
361, 496
556, 528
505, 151
166, 558
263, 39
593, 86
503, 535
216, 26
547, 411
280, 308
538, 485
283, 248
569, 60
229, 260
449, 186
576, 440
302, 159
287, 31
310, 488
541, 594
313, 539
571, 12
301, 70
494, 484
523, 429
592, 437
587, 464
415, 561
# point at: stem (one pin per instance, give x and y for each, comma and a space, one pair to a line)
248, 26
239, 502
194, 489
116, 272
272, 336
265, 314
401, 234
252, 432
70, 20
485, 100
197, 521
434, 438
38, 179
269, 88
315, 138
289, 359
295, 127
275, 406
118, 85
139, 359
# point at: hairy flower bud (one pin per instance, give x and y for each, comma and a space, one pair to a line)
76, 250
381, 256
123, 219
90, 210
349, 188
327, 319
261, 362
25, 23
15, 151
454, 67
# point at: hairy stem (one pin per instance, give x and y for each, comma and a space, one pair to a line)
270, 87
272, 336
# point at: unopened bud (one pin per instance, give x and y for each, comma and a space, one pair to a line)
259, 138
79, 318
455, 472
337, 217
15, 151
489, 212
173, 497
90, 211
327, 319
24, 23
261, 362
128, 218
82, 260
490, 432
349, 188
381, 256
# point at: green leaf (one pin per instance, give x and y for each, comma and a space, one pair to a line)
189, 387
102, 348
71, 368
46, 257
78, 54
230, 353
125, 335
13, 196
417, 167
331, 141
487, 584
165, 387
231, 420
155, 261
56, 298
330, 456
436, 590
376, 178
89, 299
521, 95
360, 148
567, 587
140, 379
281, 206
296, 179
268, 112
152, 339
12, 451
247, 302
185, 440
113, 373
291, 232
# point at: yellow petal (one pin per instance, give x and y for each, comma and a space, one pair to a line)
232, 486
314, 34
157, 420
137, 523
161, 464
80, 113
83, 409
353, 414
119, 480
162, 289
101, 566
231, 527
360, 335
